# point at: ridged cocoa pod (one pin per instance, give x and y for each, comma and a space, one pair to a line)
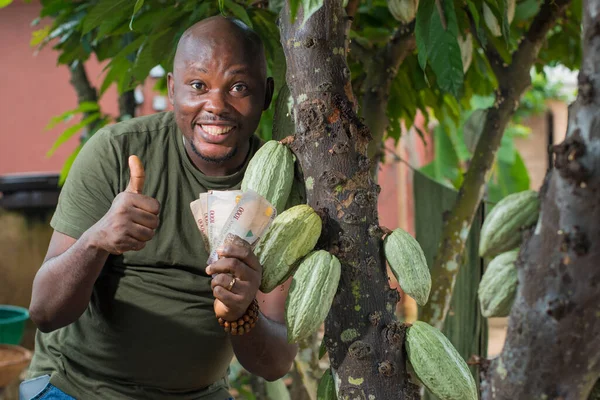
311, 293
291, 236
438, 364
498, 286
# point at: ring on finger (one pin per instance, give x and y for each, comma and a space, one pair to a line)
232, 283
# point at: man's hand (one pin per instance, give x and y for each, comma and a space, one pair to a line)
132, 218
238, 274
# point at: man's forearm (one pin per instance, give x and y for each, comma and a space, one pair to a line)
264, 351
63, 286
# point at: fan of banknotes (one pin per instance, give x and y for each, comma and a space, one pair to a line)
221, 214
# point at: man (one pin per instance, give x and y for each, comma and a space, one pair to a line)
124, 300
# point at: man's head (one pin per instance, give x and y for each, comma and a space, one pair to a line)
219, 90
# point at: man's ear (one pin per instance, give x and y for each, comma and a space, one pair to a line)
171, 87
269, 93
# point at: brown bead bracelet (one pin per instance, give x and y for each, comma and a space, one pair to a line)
245, 323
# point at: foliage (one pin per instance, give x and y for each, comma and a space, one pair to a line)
454, 149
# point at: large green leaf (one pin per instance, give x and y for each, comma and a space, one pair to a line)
442, 51
326, 389
422, 29
4, 3
83, 107
445, 166
238, 11
72, 130
106, 9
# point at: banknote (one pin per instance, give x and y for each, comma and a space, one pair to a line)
196, 207
219, 206
249, 219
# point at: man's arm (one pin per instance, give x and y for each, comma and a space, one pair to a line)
63, 286
264, 351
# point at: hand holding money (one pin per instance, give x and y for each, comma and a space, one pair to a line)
236, 278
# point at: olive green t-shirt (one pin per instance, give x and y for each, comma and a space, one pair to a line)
149, 331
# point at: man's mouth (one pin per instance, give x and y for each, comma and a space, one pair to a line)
216, 130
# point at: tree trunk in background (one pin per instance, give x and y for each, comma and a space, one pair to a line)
85, 92
127, 105
552, 350
363, 339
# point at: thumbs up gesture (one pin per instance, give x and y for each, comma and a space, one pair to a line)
132, 218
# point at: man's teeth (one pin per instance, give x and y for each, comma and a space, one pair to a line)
216, 129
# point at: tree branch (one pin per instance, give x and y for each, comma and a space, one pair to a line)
85, 92
515, 80
127, 105
381, 71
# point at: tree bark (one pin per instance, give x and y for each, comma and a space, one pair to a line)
552, 349
363, 339
127, 105
85, 92
513, 80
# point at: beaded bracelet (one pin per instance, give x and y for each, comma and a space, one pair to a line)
245, 323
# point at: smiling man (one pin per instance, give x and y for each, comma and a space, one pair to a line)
124, 301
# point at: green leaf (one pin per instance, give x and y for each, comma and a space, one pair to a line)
136, 8
508, 178
4, 3
239, 12
507, 151
326, 389
445, 166
422, 29
322, 349
106, 9
444, 51
310, 7
64, 172
116, 68
526, 10
221, 4
83, 107
277, 390
72, 130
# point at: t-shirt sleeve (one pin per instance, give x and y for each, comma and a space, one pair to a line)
90, 187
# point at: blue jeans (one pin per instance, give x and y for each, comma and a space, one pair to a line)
40, 388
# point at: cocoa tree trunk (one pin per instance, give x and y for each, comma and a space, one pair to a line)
363, 340
552, 350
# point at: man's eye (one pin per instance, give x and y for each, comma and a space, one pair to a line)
240, 87
198, 85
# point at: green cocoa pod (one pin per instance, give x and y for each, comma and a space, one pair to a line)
326, 389
311, 293
438, 364
501, 230
408, 264
270, 173
292, 235
498, 286
403, 10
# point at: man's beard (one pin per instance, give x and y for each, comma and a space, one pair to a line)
215, 160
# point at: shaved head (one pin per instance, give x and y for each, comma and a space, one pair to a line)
219, 31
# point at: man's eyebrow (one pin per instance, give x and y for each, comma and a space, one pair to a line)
200, 69
238, 71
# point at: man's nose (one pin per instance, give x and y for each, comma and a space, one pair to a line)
216, 102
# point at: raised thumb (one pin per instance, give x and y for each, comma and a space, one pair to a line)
136, 175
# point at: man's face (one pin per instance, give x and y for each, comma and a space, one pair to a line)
218, 90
